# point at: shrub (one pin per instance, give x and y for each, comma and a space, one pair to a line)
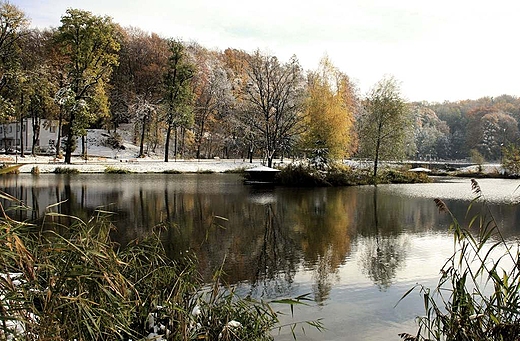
402, 177
511, 160
66, 170
341, 175
205, 171
113, 170
478, 158
172, 171
301, 175
35, 170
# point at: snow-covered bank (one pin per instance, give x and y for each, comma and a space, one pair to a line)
101, 156
135, 165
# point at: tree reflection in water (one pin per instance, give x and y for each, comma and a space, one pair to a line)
273, 258
384, 250
269, 236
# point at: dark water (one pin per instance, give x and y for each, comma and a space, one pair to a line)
355, 250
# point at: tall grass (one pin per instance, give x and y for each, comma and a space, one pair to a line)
72, 282
478, 294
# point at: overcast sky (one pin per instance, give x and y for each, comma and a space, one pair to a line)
439, 50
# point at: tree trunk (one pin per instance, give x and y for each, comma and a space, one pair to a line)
175, 145
70, 141
22, 154
36, 134
376, 159
5, 139
143, 131
199, 139
58, 142
167, 143
84, 147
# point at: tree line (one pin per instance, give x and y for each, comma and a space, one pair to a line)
185, 100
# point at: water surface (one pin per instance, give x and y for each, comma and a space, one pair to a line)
355, 250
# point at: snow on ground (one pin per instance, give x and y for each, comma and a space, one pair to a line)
100, 157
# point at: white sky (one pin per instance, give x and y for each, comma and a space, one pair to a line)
439, 50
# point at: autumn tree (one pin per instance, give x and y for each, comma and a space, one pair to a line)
13, 26
137, 82
431, 135
329, 112
498, 130
384, 124
178, 95
40, 84
213, 97
511, 159
240, 136
273, 101
90, 46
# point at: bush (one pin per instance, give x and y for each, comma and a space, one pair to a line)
66, 170
393, 176
300, 175
205, 171
172, 171
511, 160
35, 170
113, 170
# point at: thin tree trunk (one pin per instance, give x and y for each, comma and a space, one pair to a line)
22, 154
143, 131
84, 147
58, 142
167, 143
175, 145
70, 142
36, 133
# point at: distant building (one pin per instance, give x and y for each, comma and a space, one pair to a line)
10, 136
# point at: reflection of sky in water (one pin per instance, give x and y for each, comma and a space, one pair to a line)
358, 309
493, 190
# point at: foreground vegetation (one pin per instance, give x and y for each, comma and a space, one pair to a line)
478, 295
67, 280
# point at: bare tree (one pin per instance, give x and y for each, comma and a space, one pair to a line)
273, 101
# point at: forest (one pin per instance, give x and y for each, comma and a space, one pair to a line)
185, 100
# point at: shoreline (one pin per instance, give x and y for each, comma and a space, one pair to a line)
99, 164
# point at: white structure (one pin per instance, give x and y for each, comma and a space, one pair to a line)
10, 136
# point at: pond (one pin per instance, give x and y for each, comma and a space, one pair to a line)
354, 250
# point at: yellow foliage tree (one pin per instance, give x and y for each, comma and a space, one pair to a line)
329, 112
